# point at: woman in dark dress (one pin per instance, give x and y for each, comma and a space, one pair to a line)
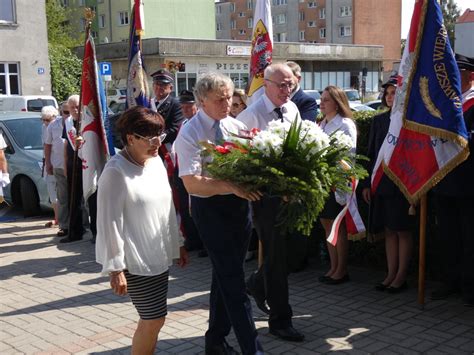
388, 206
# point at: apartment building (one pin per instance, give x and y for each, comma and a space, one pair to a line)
361, 22
163, 18
24, 62
463, 33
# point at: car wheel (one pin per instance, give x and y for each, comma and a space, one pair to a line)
29, 198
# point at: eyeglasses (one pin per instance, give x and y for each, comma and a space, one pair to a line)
235, 104
282, 86
65, 113
153, 140
46, 120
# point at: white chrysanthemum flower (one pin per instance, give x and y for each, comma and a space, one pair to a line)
343, 140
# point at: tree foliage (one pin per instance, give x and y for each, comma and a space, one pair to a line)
451, 12
65, 65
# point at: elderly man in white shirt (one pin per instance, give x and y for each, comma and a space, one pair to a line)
270, 282
221, 213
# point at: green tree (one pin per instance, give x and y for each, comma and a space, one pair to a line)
451, 13
65, 65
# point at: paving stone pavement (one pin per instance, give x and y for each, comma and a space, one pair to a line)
54, 301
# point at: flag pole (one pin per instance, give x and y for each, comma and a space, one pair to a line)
422, 252
88, 15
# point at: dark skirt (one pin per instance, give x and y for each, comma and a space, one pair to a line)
148, 294
390, 212
331, 208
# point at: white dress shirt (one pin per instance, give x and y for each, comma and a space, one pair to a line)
343, 124
261, 112
136, 219
198, 129
54, 137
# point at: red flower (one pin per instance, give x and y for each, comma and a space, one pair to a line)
221, 149
231, 145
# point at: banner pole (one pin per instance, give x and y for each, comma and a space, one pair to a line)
422, 252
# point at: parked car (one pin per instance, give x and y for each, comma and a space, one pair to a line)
359, 107
376, 104
30, 103
117, 107
315, 95
116, 95
24, 153
352, 95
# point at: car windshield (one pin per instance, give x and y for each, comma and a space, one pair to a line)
26, 132
123, 92
37, 104
352, 95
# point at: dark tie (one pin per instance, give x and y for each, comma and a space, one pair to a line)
277, 110
219, 136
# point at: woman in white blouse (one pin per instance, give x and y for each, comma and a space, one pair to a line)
337, 117
137, 232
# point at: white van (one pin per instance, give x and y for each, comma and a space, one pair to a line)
32, 103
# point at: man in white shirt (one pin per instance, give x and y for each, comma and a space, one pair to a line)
270, 282
54, 165
221, 213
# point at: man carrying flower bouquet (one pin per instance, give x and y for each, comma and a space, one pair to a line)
270, 282
221, 212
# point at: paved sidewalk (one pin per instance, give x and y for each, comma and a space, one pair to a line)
52, 300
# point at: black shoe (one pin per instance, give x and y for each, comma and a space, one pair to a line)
289, 333
259, 301
443, 292
323, 278
395, 290
93, 239
221, 349
62, 232
332, 281
381, 287
69, 240
202, 253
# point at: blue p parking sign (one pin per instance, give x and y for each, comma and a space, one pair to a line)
105, 68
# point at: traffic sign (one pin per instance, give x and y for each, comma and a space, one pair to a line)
105, 68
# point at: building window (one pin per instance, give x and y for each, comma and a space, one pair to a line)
250, 22
301, 35
232, 7
280, 37
249, 4
82, 2
241, 32
218, 9
94, 34
219, 26
345, 11
233, 24
123, 18
312, 24
322, 13
9, 79
301, 16
281, 18
82, 24
322, 32
345, 31
7, 11
94, 9
101, 21
312, 4
280, 2
64, 3
241, 14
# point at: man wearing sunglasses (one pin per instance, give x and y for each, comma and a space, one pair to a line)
54, 165
270, 282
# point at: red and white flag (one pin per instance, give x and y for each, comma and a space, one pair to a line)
262, 49
94, 151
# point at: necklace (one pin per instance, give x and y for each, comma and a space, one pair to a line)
133, 161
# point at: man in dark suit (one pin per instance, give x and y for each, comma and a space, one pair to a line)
165, 104
306, 105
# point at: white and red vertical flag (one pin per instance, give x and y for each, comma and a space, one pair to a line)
138, 93
94, 151
427, 137
262, 48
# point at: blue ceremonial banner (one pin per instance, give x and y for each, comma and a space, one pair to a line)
434, 99
137, 85
105, 115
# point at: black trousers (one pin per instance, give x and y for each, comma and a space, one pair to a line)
92, 206
456, 231
270, 281
224, 225
76, 229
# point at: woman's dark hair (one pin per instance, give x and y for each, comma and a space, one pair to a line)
140, 120
340, 98
385, 90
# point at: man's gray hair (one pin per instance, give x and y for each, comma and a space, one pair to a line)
212, 82
74, 98
295, 68
273, 68
49, 111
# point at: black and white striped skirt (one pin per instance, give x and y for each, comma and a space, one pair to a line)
148, 294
